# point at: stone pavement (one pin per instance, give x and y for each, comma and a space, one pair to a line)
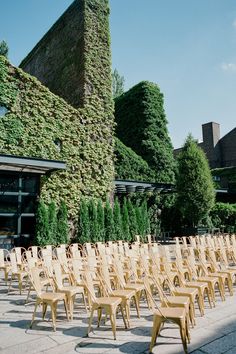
215, 333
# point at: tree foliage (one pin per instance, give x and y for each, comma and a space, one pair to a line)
42, 225
52, 229
84, 223
194, 184
62, 234
109, 222
142, 110
4, 48
118, 227
118, 82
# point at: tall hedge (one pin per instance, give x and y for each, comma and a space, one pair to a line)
62, 224
195, 189
42, 225
141, 109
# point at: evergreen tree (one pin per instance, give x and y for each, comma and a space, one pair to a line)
195, 187
117, 221
125, 221
84, 223
101, 221
146, 220
42, 226
140, 223
93, 221
109, 222
62, 224
4, 48
52, 217
117, 84
132, 220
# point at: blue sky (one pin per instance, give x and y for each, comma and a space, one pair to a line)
187, 47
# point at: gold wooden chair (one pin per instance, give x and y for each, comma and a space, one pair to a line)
46, 298
5, 263
69, 290
176, 315
109, 304
17, 272
125, 294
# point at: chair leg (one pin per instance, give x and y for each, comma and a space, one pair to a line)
99, 316
123, 316
183, 335
9, 287
90, 320
136, 302
34, 313
155, 331
53, 309
85, 302
45, 305
113, 323
66, 310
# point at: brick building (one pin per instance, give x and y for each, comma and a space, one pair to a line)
220, 152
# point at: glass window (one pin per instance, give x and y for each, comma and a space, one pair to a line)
8, 203
8, 226
30, 184
9, 183
29, 204
27, 225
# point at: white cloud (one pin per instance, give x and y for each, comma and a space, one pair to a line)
229, 67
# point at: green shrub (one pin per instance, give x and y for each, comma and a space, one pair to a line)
101, 221
118, 229
196, 195
84, 223
62, 224
52, 219
42, 225
94, 237
223, 216
125, 221
109, 223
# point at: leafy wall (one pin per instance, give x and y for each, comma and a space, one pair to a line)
128, 165
142, 110
37, 118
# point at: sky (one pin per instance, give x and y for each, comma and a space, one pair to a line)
187, 47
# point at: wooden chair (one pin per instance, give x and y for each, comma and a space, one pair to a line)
69, 290
125, 294
109, 304
46, 298
5, 263
16, 272
161, 315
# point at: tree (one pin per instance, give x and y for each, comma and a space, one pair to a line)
52, 218
196, 195
132, 220
62, 224
118, 230
101, 221
84, 223
4, 48
125, 221
117, 84
146, 220
42, 225
93, 221
109, 222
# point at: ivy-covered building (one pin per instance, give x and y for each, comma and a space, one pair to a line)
61, 109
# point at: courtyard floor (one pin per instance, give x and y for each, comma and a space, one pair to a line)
215, 333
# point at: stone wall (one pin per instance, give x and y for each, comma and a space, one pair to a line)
228, 149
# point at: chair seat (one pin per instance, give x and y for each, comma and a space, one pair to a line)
108, 301
192, 291
170, 312
196, 284
71, 290
134, 286
52, 296
123, 293
178, 300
